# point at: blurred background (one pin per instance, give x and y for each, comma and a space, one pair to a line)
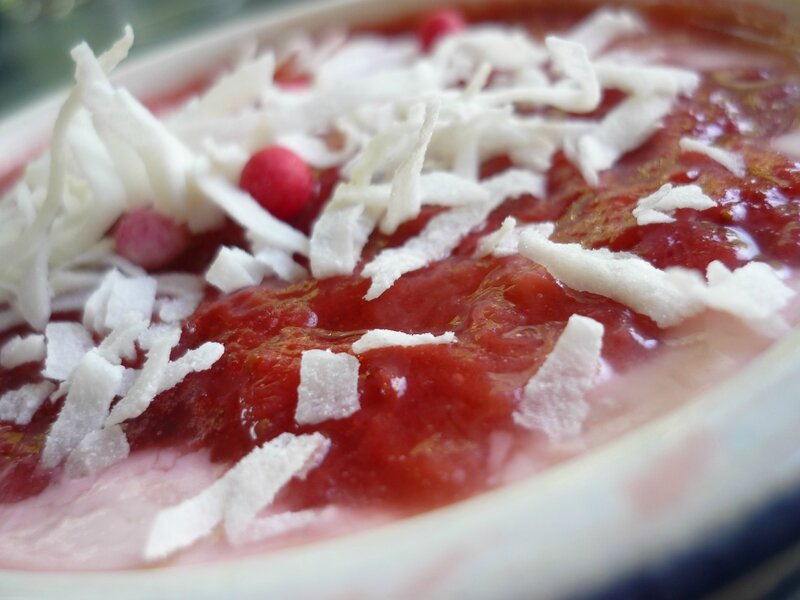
36, 35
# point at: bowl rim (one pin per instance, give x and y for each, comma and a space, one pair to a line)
752, 410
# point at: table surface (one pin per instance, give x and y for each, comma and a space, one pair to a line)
36, 35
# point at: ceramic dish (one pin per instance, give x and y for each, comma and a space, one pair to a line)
728, 457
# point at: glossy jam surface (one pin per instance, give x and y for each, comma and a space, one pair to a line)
432, 418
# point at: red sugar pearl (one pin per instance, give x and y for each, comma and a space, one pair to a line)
438, 24
279, 180
149, 239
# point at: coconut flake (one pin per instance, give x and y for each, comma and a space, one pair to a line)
198, 359
505, 240
237, 90
22, 350
130, 295
385, 338
238, 496
554, 399
175, 310
167, 162
242, 208
120, 343
753, 293
67, 343
117, 298
145, 388
623, 277
93, 385
139, 388
97, 451
732, 161
184, 291
625, 128
338, 238
405, 199
280, 264
504, 48
21, 404
234, 269
328, 387
579, 92
646, 80
444, 231
660, 206
603, 27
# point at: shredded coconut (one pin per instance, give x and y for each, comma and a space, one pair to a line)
21, 404
753, 293
732, 161
622, 277
66, 344
238, 496
98, 450
505, 240
444, 231
603, 27
22, 350
554, 400
384, 338
659, 206
145, 388
328, 387
117, 298
93, 386
234, 269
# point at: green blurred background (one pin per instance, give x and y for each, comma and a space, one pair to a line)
36, 35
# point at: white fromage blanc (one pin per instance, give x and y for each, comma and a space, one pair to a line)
386, 338
659, 206
66, 344
554, 400
98, 450
284, 522
19, 406
21, 350
732, 161
328, 387
238, 496
92, 387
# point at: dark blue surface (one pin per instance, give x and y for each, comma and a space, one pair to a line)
718, 562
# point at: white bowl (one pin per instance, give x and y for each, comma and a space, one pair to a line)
732, 453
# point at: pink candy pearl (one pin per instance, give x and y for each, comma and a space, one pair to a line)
149, 239
438, 24
279, 180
